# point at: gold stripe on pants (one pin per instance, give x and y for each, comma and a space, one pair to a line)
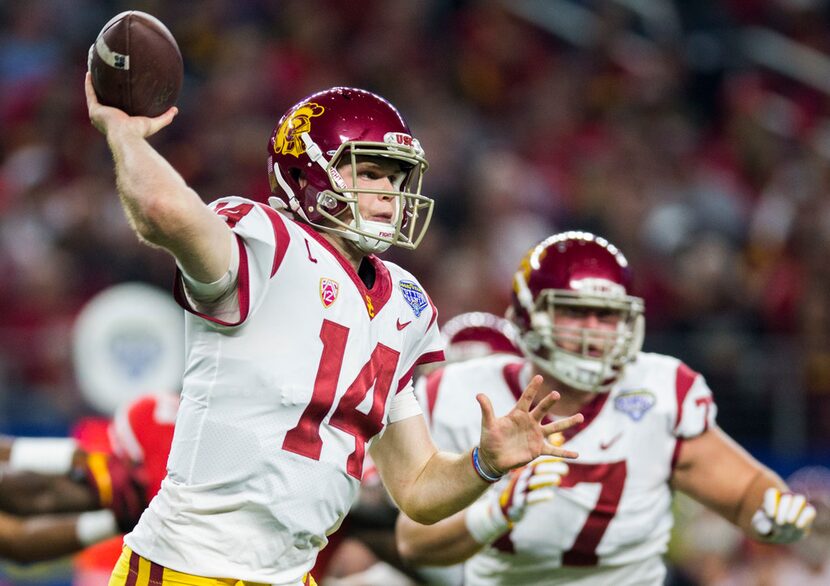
134, 570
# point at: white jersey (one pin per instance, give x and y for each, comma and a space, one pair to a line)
610, 520
277, 407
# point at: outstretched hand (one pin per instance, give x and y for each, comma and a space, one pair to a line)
520, 436
106, 118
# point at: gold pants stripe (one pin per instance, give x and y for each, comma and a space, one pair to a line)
134, 570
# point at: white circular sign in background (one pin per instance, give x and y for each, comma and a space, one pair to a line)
128, 340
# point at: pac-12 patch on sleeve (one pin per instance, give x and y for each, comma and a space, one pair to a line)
414, 296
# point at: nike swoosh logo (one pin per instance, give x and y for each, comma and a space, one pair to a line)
402, 326
608, 444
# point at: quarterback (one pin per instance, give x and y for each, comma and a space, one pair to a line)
301, 345
649, 429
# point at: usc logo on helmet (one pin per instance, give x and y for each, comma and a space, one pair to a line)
288, 136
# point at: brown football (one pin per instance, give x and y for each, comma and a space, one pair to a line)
136, 65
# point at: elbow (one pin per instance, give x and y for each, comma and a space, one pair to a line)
427, 517
147, 218
159, 219
425, 511
423, 515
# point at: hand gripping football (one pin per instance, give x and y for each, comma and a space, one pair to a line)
136, 65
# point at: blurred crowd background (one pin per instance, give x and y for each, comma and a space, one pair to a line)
693, 134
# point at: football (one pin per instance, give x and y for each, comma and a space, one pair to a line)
136, 65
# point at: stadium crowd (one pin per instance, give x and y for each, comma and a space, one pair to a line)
670, 133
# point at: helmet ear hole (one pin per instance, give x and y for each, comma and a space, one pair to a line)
299, 176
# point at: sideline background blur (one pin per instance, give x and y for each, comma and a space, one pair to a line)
694, 135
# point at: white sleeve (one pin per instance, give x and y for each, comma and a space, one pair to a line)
404, 405
696, 408
262, 239
220, 298
205, 292
44, 455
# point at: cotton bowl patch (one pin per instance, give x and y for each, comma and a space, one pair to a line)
414, 296
635, 404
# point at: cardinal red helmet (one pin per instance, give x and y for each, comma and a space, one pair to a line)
332, 128
577, 271
475, 334
142, 432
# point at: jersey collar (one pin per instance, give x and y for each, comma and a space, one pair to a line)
381, 291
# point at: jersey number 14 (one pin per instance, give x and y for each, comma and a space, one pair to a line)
379, 371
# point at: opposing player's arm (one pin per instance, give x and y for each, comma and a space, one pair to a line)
54, 475
161, 208
36, 478
429, 485
27, 493
33, 539
714, 470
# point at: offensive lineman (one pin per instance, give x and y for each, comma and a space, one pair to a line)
649, 429
291, 324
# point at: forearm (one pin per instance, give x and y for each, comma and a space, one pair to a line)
149, 187
35, 494
38, 539
715, 471
447, 484
159, 205
444, 543
753, 498
165, 212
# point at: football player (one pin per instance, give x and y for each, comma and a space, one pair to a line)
301, 345
58, 498
140, 432
35, 525
649, 429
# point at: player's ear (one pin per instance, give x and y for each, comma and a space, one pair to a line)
300, 177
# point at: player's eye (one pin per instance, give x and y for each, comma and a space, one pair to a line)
368, 173
607, 315
571, 312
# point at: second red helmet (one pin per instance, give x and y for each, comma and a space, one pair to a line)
561, 282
